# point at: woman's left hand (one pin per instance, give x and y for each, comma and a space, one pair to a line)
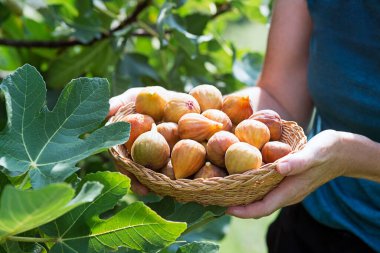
320, 161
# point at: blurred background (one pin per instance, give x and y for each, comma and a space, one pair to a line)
174, 43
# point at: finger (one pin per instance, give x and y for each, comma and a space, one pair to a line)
122, 99
115, 104
136, 186
285, 194
139, 189
296, 163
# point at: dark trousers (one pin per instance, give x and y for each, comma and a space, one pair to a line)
295, 231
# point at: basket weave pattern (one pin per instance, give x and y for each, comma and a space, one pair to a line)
236, 189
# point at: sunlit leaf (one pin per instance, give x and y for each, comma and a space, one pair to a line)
22, 210
136, 226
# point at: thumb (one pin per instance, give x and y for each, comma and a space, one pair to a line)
295, 163
115, 103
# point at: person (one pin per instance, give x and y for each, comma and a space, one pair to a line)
322, 55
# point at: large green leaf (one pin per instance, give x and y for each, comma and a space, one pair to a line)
136, 226
22, 210
46, 143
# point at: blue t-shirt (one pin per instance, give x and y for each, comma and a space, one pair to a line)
344, 82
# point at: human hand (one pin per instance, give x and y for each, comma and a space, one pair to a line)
320, 161
115, 103
122, 99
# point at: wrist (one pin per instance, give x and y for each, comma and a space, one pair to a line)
361, 156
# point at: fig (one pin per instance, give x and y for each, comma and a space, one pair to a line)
179, 106
139, 124
219, 116
168, 170
188, 157
253, 132
170, 132
237, 107
241, 157
217, 146
273, 121
208, 97
274, 150
209, 170
197, 127
152, 101
151, 150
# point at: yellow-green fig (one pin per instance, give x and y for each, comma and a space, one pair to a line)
208, 96
241, 157
151, 150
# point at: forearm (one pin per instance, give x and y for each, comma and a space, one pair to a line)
282, 85
361, 156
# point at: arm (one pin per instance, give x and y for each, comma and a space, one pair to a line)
329, 154
285, 68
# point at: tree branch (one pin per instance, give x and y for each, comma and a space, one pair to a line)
72, 42
221, 9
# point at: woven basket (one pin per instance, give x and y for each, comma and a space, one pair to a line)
236, 189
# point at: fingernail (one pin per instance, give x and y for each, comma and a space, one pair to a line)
283, 168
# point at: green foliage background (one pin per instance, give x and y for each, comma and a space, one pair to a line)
174, 43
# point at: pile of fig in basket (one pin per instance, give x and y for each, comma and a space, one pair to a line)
202, 134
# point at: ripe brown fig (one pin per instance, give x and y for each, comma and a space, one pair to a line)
217, 146
272, 120
274, 150
209, 170
219, 116
152, 101
151, 150
179, 106
139, 124
197, 127
237, 107
168, 170
170, 132
188, 157
208, 96
241, 157
253, 132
